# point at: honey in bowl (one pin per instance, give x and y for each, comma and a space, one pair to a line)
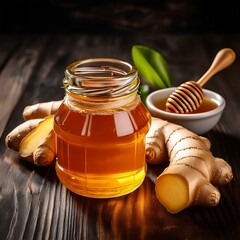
206, 105
199, 122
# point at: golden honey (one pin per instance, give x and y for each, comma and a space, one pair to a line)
206, 105
101, 137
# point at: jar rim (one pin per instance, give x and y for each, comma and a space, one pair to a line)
105, 77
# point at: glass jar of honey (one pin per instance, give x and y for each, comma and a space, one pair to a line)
100, 129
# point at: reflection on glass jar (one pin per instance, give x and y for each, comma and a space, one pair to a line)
100, 128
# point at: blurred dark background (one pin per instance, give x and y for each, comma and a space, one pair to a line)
178, 16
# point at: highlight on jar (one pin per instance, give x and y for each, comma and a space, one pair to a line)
100, 129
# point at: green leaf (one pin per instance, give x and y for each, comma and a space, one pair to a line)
151, 65
143, 90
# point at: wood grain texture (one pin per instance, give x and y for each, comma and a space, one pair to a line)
35, 205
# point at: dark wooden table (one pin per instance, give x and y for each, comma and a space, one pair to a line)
35, 205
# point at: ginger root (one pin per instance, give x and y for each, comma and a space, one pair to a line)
41, 110
14, 138
193, 173
45, 153
34, 139
38, 146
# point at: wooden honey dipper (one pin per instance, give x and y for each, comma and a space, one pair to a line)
189, 95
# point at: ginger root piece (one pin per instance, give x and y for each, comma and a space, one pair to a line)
14, 138
35, 138
193, 172
38, 146
41, 110
45, 154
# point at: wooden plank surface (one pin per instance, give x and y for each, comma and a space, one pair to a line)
35, 205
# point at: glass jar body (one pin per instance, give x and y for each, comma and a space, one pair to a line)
101, 155
101, 144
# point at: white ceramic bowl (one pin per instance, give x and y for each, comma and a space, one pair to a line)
198, 123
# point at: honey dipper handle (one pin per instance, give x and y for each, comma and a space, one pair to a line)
223, 59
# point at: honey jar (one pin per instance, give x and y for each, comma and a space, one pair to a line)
100, 129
